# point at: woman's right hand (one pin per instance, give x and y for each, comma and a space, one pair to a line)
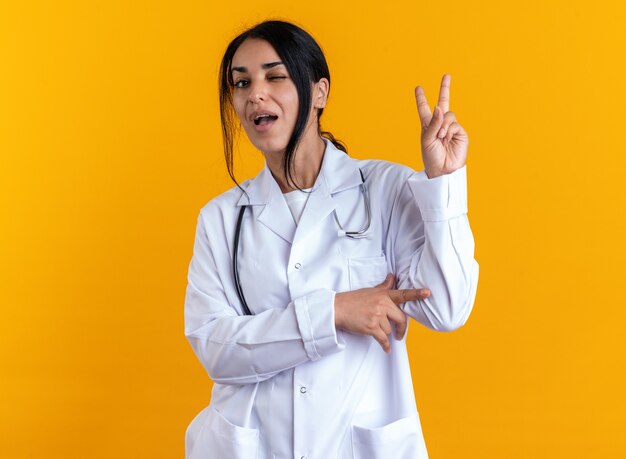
371, 311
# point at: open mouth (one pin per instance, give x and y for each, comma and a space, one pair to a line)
264, 119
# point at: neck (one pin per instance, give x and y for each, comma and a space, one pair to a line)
306, 164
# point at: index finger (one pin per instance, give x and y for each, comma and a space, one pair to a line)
444, 94
409, 294
422, 106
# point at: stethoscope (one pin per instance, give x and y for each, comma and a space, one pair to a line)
342, 232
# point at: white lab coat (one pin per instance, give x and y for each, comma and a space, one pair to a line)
287, 383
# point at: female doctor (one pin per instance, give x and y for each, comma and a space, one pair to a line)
302, 278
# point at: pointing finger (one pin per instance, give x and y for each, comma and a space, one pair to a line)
411, 294
444, 93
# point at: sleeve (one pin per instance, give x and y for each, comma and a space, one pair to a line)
238, 349
433, 247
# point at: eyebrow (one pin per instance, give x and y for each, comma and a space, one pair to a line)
266, 66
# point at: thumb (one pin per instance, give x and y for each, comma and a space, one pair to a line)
430, 134
388, 282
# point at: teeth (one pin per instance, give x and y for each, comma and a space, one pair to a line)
258, 118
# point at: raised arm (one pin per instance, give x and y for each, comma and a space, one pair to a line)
433, 246
430, 236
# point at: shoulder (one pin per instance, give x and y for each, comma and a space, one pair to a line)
225, 203
386, 173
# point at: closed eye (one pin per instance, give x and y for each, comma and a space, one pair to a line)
243, 83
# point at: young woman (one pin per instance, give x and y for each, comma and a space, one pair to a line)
300, 276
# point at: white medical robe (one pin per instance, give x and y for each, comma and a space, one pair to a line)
287, 383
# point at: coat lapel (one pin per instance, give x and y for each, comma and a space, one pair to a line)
268, 205
339, 172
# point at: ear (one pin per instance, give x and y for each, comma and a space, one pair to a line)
320, 93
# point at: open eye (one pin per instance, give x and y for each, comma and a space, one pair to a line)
240, 83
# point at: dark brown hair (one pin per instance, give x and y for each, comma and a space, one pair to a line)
305, 63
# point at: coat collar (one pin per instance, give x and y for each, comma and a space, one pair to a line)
339, 172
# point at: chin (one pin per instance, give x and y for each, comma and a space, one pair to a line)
271, 146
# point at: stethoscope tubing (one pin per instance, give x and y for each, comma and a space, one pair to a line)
351, 234
246, 309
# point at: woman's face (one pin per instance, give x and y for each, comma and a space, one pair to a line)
264, 96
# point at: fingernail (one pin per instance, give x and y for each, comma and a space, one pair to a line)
442, 133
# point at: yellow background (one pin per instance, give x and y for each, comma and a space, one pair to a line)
110, 144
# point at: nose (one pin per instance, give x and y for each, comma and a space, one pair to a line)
257, 92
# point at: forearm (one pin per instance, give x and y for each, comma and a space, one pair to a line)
247, 349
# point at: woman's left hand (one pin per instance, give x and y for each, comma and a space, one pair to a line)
444, 141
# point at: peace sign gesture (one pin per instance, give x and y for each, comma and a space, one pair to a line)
444, 141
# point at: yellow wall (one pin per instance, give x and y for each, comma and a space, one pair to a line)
110, 144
